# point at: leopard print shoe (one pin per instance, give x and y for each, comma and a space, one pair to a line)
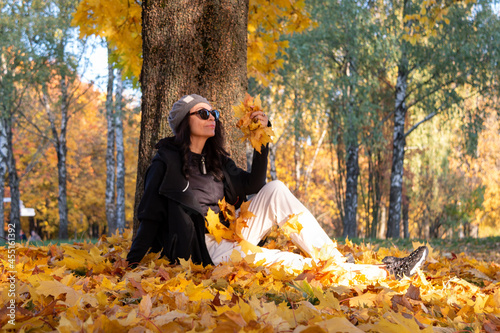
399, 267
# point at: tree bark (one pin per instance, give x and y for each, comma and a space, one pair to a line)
370, 201
15, 197
190, 46
351, 192
120, 157
249, 155
399, 142
297, 162
398, 154
59, 142
406, 216
377, 179
273, 148
352, 164
297, 142
110, 152
310, 167
62, 149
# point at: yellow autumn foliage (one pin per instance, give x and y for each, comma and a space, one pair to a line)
53, 293
253, 130
431, 17
119, 23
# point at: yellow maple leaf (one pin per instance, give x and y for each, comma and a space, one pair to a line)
248, 247
241, 220
145, 306
253, 130
216, 228
292, 225
56, 288
397, 323
227, 210
339, 324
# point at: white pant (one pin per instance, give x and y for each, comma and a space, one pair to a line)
274, 204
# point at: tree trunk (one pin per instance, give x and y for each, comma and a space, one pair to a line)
351, 192
406, 217
352, 164
398, 153
196, 46
273, 148
297, 141
59, 142
310, 167
110, 152
61, 149
370, 206
377, 196
297, 162
338, 185
249, 155
120, 157
15, 197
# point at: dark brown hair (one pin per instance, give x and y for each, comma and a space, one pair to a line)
215, 154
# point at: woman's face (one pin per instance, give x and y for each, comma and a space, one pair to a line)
201, 128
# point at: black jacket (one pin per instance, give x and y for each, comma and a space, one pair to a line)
171, 219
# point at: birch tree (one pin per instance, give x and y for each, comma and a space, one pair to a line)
15, 70
120, 155
345, 46
110, 150
429, 71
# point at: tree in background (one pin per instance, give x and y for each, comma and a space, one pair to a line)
63, 51
120, 155
115, 154
330, 74
110, 194
20, 22
432, 64
85, 163
433, 88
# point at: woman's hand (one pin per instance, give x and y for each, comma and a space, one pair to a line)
260, 116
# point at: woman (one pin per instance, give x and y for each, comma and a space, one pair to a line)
191, 172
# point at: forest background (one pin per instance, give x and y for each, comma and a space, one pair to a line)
330, 74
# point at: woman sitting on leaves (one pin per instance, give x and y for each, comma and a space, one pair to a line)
191, 172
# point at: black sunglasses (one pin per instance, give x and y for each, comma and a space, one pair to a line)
205, 114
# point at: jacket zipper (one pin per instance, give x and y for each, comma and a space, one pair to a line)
203, 167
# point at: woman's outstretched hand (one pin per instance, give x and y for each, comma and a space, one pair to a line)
260, 116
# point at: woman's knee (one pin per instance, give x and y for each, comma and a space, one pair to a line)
275, 186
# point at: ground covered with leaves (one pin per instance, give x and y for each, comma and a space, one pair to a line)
85, 287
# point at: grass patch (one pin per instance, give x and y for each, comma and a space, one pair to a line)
53, 242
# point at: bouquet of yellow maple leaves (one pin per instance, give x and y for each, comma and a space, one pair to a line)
252, 129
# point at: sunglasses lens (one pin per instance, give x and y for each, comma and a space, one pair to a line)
204, 114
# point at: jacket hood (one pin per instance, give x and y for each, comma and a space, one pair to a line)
168, 142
